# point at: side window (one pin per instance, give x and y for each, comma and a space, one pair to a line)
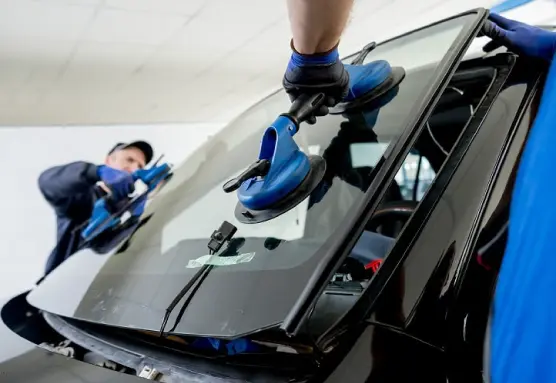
477, 286
454, 110
422, 287
491, 241
424, 161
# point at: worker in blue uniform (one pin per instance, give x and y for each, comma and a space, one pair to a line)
72, 189
522, 346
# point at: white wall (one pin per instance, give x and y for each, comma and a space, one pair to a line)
27, 224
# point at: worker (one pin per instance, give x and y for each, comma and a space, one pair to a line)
72, 189
522, 347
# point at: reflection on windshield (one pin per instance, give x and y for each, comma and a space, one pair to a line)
413, 51
289, 226
136, 285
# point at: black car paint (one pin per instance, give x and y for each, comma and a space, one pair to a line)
435, 283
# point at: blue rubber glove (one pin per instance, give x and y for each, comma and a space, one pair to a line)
120, 183
519, 38
318, 73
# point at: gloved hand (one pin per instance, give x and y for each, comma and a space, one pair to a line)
120, 183
519, 37
318, 73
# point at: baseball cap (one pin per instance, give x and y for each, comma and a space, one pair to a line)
143, 146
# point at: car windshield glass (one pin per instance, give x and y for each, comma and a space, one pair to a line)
256, 283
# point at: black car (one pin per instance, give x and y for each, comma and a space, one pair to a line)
431, 170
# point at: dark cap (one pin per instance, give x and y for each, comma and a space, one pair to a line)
143, 146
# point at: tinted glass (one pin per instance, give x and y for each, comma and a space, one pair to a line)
134, 287
439, 252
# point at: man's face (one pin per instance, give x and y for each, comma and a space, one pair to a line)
129, 160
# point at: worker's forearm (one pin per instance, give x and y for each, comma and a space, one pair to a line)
317, 25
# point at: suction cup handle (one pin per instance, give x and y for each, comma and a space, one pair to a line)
305, 106
258, 169
364, 52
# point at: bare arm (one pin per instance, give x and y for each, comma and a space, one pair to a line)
317, 25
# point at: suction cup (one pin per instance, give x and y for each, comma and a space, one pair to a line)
283, 176
393, 79
291, 200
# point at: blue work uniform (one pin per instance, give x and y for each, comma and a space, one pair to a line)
523, 348
71, 191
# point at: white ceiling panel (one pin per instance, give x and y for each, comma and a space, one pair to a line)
89, 3
179, 7
93, 62
25, 19
121, 26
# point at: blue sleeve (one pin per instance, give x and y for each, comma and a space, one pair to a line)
523, 340
64, 186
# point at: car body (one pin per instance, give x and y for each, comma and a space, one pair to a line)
430, 169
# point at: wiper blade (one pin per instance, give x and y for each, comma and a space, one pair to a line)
200, 275
217, 240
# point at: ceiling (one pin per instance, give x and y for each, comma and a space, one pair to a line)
95, 62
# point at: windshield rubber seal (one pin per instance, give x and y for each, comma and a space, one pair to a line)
345, 238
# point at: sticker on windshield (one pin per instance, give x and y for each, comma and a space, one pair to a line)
220, 261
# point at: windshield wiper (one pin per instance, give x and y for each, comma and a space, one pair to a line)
217, 240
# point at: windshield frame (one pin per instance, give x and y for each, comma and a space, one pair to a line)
344, 239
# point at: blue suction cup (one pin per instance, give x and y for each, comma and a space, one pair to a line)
283, 176
368, 83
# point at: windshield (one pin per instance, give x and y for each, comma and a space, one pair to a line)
256, 285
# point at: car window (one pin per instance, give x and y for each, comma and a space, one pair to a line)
413, 178
479, 282
269, 261
423, 284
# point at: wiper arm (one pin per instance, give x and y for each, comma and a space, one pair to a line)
217, 240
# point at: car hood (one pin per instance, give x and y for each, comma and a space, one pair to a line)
17, 354
376, 356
